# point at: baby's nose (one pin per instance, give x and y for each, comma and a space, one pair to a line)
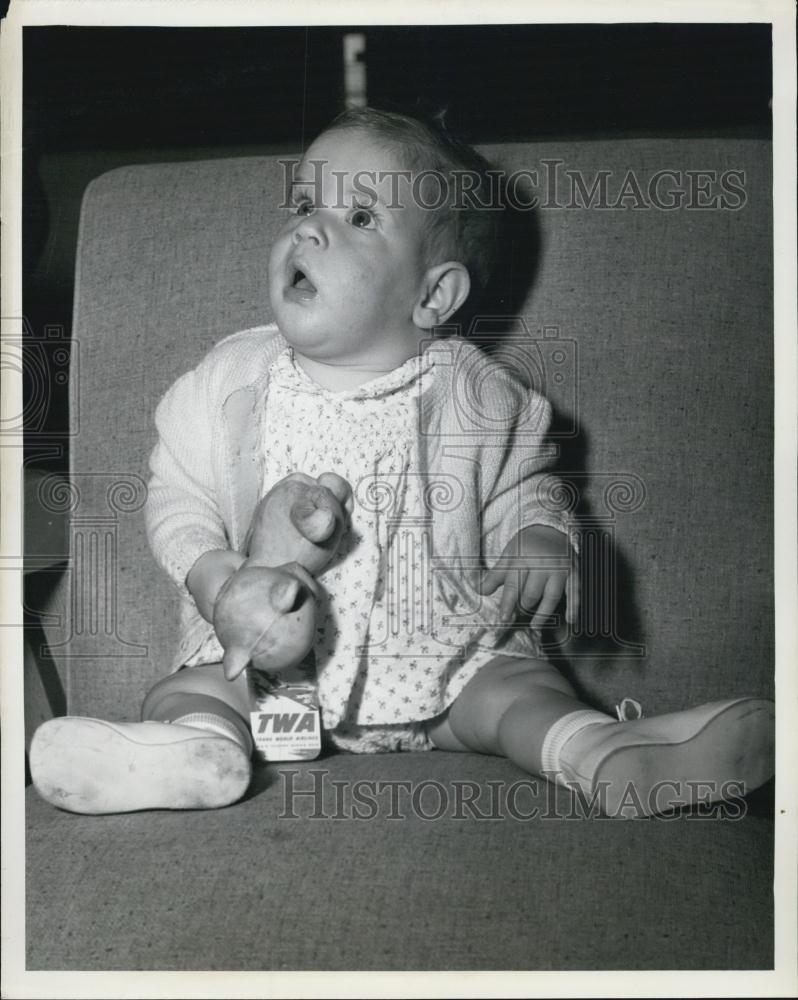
309, 229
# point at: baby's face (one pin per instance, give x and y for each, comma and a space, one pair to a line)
345, 273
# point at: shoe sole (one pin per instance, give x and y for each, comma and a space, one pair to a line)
89, 766
728, 756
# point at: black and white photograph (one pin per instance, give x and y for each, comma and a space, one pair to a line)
398, 452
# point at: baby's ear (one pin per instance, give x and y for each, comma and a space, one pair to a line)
444, 290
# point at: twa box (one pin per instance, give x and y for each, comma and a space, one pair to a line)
285, 722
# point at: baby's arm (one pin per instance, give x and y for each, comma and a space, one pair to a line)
531, 543
184, 525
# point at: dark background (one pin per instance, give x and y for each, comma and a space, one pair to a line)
99, 88
97, 98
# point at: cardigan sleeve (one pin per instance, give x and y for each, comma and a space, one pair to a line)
185, 510
518, 488
182, 513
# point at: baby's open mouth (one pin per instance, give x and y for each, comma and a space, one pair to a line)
301, 281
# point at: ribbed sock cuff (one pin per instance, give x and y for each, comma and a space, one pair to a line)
559, 734
214, 724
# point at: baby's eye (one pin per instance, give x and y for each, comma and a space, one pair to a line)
362, 218
303, 206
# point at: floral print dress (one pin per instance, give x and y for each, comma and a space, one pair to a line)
384, 661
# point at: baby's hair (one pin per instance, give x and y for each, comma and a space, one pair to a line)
468, 234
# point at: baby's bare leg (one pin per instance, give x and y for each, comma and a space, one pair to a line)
200, 692
526, 711
506, 709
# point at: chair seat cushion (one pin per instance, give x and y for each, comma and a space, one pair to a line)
268, 885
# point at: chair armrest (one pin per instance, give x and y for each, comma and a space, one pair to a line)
46, 527
46, 547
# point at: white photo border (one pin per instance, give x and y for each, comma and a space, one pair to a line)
783, 980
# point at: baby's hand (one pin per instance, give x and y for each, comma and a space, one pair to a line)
266, 614
535, 569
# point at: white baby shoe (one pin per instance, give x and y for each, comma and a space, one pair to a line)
644, 766
92, 766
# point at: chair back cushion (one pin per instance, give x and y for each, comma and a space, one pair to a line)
652, 326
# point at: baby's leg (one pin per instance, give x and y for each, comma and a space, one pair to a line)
203, 697
192, 751
526, 711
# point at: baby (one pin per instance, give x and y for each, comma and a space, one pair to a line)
450, 536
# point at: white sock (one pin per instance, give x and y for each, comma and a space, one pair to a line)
562, 731
213, 724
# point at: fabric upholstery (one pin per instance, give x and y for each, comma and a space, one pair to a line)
668, 314
243, 888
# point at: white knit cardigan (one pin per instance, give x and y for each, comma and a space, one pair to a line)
481, 444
